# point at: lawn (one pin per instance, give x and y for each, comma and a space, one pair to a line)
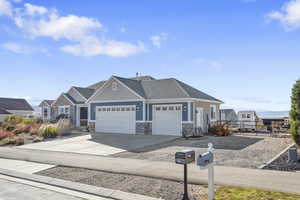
236, 193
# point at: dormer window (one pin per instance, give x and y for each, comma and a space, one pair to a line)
114, 86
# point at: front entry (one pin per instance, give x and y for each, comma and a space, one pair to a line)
167, 120
199, 120
83, 116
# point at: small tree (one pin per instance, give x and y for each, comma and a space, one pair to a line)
295, 113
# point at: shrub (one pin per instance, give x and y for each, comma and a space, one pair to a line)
219, 130
295, 113
13, 119
34, 130
5, 134
29, 121
48, 131
22, 128
13, 140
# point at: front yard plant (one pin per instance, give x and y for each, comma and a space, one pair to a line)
16, 130
295, 113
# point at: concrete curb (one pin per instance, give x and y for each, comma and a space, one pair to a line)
275, 157
77, 187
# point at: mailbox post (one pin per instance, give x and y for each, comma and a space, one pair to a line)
206, 160
184, 158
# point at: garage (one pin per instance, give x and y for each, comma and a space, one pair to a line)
115, 119
167, 120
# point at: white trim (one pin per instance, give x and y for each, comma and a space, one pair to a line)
144, 110
215, 111
128, 88
187, 122
182, 100
189, 110
78, 92
99, 89
108, 101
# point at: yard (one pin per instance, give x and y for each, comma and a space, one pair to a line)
167, 190
238, 151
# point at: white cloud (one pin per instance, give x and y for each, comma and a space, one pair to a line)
15, 47
34, 10
5, 8
288, 16
158, 39
82, 32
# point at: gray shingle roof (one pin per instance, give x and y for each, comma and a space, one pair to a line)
165, 89
97, 85
15, 104
4, 112
135, 85
194, 93
86, 92
49, 102
72, 99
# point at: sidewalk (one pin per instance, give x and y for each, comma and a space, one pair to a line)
243, 177
19, 185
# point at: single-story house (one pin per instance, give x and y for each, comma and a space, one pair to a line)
228, 115
140, 105
47, 111
12, 106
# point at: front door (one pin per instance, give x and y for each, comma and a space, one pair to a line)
199, 120
83, 116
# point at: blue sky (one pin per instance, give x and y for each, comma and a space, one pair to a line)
244, 52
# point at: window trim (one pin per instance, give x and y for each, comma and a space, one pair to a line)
213, 113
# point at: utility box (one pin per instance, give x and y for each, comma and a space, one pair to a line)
292, 155
205, 159
184, 157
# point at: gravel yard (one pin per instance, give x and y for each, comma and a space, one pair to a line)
239, 151
164, 189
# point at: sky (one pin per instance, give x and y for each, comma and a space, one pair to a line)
244, 52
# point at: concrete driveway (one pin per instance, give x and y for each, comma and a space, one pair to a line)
100, 144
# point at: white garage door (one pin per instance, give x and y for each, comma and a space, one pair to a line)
115, 119
167, 120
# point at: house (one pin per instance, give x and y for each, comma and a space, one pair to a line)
228, 115
140, 105
47, 111
249, 120
12, 106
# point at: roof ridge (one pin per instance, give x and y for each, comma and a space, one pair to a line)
178, 83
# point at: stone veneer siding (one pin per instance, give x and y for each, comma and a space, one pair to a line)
187, 129
143, 128
91, 127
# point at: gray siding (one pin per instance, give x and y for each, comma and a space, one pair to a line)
122, 93
76, 96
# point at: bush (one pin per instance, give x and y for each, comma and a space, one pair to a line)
219, 130
5, 134
13, 140
29, 121
22, 128
48, 131
37, 139
295, 113
13, 119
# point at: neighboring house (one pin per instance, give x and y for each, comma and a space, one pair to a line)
228, 115
47, 111
12, 106
248, 120
140, 105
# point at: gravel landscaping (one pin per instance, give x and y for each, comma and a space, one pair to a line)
281, 163
158, 188
238, 151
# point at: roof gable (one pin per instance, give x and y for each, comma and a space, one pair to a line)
85, 92
15, 104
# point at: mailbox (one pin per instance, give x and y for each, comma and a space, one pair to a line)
205, 159
184, 157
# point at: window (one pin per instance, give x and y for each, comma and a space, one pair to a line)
164, 108
108, 109
244, 116
45, 112
157, 108
171, 108
213, 112
64, 110
248, 116
133, 108
114, 86
178, 108
127, 109
123, 109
